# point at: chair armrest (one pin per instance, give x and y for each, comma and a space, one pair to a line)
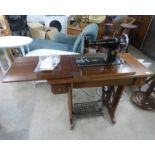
64, 38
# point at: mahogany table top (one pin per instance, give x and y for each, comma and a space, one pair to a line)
23, 70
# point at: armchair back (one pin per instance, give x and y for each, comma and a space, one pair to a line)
90, 31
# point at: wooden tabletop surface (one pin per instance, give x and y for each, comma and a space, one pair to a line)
23, 70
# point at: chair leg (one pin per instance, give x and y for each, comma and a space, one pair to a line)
2, 68
8, 55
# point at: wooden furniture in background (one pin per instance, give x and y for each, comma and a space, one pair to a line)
143, 23
76, 24
101, 30
75, 29
123, 25
116, 26
5, 31
127, 25
68, 76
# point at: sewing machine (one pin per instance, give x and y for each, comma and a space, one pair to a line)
113, 46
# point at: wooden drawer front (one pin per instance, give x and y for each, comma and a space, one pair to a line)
138, 82
100, 83
59, 88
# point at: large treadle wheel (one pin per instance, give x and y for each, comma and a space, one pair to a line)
142, 100
145, 99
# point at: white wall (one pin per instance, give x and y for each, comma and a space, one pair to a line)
33, 18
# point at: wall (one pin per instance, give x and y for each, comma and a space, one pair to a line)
32, 18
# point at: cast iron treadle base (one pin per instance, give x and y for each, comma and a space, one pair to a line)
144, 101
94, 108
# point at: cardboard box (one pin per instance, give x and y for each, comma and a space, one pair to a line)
39, 31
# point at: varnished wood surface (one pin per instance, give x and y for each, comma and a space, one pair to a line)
137, 67
23, 70
67, 71
99, 83
73, 30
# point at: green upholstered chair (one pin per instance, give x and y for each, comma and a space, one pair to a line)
66, 42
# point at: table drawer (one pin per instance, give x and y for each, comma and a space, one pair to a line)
137, 82
59, 88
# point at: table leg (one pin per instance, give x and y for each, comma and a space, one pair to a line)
22, 50
70, 105
110, 98
28, 49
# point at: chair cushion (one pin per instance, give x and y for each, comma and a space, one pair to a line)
65, 38
47, 44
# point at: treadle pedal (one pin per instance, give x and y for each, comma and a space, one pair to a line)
94, 108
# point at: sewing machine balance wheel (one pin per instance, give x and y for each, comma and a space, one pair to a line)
124, 41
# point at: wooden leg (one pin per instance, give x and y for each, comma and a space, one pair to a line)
115, 102
111, 98
70, 105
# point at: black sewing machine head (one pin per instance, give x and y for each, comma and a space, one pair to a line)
113, 46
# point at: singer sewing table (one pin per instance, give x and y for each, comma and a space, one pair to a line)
68, 76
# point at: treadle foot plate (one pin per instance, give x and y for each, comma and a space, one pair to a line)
144, 101
94, 108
